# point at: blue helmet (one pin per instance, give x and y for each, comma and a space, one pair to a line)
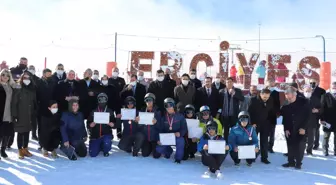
205, 108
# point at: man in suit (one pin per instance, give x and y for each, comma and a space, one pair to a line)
218, 83
209, 96
274, 113
230, 99
317, 93
135, 89
184, 94
247, 98
193, 79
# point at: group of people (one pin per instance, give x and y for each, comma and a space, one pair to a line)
54, 108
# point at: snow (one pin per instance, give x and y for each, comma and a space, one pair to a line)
121, 168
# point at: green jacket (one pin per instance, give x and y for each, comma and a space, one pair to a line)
220, 130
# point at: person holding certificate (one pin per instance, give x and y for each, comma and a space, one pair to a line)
172, 122
205, 117
150, 131
243, 134
132, 137
191, 143
100, 129
213, 161
73, 132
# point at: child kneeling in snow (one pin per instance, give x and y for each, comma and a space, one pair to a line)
242, 134
100, 134
213, 161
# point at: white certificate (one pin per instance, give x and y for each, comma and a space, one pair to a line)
195, 132
128, 114
168, 139
146, 118
246, 152
191, 123
101, 117
216, 146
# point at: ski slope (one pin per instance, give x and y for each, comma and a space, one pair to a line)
121, 168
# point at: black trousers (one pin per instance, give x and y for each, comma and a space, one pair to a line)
227, 123
317, 136
50, 140
296, 148
213, 161
77, 147
271, 135
311, 132
6, 129
326, 142
22, 140
127, 142
149, 147
190, 148
264, 133
234, 157
35, 125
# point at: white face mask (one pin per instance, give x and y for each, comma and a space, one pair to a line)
192, 76
104, 82
307, 94
185, 82
32, 71
133, 83
140, 78
217, 80
54, 110
59, 72
160, 78
95, 77
115, 74
26, 82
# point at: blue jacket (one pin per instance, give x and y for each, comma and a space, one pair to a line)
130, 129
261, 71
151, 132
72, 127
179, 124
238, 136
204, 141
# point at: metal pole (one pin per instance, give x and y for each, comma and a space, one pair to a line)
324, 47
115, 46
259, 41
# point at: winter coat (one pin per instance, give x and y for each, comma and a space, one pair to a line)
233, 71
114, 102
261, 71
132, 128
45, 90
328, 110
3, 96
179, 124
196, 83
17, 72
295, 117
237, 98
51, 122
62, 90
56, 79
139, 94
313, 121
162, 90
183, 97
280, 79
118, 82
204, 141
275, 95
151, 132
72, 127
240, 71
24, 107
221, 86
100, 130
239, 137
220, 130
260, 111
87, 103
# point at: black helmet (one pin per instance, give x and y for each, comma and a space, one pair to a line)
211, 125
169, 102
150, 96
189, 107
129, 99
243, 116
102, 98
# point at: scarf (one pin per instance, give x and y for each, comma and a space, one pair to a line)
227, 106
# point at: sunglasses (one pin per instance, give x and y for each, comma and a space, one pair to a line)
190, 112
205, 113
211, 128
243, 119
130, 103
148, 100
169, 105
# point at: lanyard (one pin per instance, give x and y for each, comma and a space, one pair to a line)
170, 122
99, 110
249, 134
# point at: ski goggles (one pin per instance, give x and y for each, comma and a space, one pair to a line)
211, 128
169, 105
205, 113
102, 100
189, 112
149, 100
244, 119
130, 103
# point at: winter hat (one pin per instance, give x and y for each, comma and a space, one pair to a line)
102, 98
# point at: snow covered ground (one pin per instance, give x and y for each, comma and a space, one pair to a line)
121, 168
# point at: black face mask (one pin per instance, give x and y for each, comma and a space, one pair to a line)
102, 105
313, 85
22, 66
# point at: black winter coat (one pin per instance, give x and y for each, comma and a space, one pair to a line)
114, 101
162, 90
100, 130
62, 90
139, 95
45, 90
261, 112
87, 103
237, 98
328, 110
118, 82
313, 120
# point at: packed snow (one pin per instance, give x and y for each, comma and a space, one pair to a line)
121, 168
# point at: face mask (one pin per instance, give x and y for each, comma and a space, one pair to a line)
54, 110
140, 78
202, 78
307, 94
217, 81
104, 82
192, 76
95, 77
32, 71
271, 88
115, 74
133, 83
313, 85
22, 66
87, 78
59, 72
185, 82
26, 82
160, 78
